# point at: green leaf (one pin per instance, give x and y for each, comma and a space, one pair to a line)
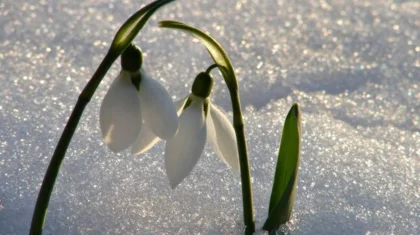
133, 25
216, 51
285, 179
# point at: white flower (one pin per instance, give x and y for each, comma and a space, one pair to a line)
127, 106
199, 121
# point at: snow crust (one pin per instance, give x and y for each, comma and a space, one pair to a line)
353, 66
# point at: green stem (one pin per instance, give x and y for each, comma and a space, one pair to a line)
220, 57
122, 39
211, 67
47, 186
238, 125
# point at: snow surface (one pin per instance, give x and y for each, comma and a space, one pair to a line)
352, 65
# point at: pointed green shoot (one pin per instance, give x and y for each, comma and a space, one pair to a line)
133, 25
220, 57
214, 48
285, 179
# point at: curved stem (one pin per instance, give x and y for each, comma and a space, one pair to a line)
238, 125
211, 67
47, 186
220, 57
122, 39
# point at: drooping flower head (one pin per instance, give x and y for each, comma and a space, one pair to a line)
200, 121
133, 102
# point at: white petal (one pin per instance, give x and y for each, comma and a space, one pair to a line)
159, 112
179, 105
183, 151
221, 136
120, 116
144, 141
146, 138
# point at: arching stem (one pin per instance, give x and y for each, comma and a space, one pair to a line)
121, 41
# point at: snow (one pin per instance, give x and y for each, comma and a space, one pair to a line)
353, 66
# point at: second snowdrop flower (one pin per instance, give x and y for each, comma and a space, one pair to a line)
133, 102
200, 121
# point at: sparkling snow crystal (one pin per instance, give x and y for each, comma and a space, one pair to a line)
354, 67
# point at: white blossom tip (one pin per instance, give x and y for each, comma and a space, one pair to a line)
159, 112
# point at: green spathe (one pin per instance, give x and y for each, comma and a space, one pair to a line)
285, 179
133, 25
214, 48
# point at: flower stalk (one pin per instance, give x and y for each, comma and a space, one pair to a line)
122, 39
47, 186
238, 125
221, 59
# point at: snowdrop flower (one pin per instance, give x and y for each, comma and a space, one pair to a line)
200, 121
134, 102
